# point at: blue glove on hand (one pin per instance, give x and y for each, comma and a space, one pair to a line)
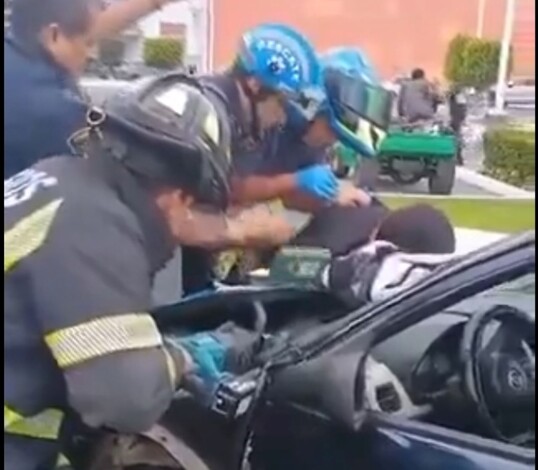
214, 355
207, 355
319, 181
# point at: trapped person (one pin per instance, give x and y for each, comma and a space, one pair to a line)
45, 51
83, 239
406, 247
417, 98
419, 228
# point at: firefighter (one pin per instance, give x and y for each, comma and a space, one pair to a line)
83, 239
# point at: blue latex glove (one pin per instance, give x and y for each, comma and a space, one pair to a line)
318, 181
207, 354
214, 356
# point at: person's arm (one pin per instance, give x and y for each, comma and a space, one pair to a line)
120, 15
299, 201
92, 289
259, 188
239, 228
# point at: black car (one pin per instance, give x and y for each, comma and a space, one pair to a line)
440, 376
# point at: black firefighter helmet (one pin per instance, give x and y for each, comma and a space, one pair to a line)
169, 131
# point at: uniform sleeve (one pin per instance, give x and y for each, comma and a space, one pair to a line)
60, 114
290, 156
92, 291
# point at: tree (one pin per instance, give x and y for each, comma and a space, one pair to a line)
472, 62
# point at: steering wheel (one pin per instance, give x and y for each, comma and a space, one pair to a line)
498, 356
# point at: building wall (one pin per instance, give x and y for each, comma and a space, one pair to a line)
524, 38
397, 34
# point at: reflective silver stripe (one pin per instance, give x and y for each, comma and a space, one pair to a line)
103, 336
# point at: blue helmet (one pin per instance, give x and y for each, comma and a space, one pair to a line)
285, 62
358, 107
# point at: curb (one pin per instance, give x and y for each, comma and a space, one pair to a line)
475, 197
492, 185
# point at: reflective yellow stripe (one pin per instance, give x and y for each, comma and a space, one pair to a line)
103, 336
45, 425
29, 234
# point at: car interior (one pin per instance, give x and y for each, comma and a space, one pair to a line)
469, 368
489, 394
419, 373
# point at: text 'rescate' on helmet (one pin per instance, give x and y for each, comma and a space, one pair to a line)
168, 131
359, 107
284, 62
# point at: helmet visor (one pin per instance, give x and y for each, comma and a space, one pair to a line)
354, 98
362, 110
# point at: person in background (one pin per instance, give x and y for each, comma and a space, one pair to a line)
45, 51
83, 239
417, 99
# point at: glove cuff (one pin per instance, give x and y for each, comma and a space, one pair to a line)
179, 364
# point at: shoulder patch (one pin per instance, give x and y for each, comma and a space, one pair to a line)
21, 187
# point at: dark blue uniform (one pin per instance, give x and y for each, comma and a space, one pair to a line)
42, 107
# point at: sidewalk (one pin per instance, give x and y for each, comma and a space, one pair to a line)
468, 240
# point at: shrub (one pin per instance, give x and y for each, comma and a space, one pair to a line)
163, 53
472, 62
510, 154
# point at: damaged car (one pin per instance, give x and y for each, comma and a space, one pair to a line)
439, 375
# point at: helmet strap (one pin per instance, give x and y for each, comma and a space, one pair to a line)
253, 99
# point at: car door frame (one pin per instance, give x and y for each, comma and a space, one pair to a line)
449, 445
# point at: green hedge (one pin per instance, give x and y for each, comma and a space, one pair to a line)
510, 154
163, 53
472, 62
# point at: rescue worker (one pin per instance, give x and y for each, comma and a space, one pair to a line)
274, 64
304, 141
357, 114
45, 51
83, 239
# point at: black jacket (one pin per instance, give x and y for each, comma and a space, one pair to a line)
43, 107
81, 246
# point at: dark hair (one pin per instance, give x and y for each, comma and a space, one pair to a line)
419, 228
418, 74
30, 17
